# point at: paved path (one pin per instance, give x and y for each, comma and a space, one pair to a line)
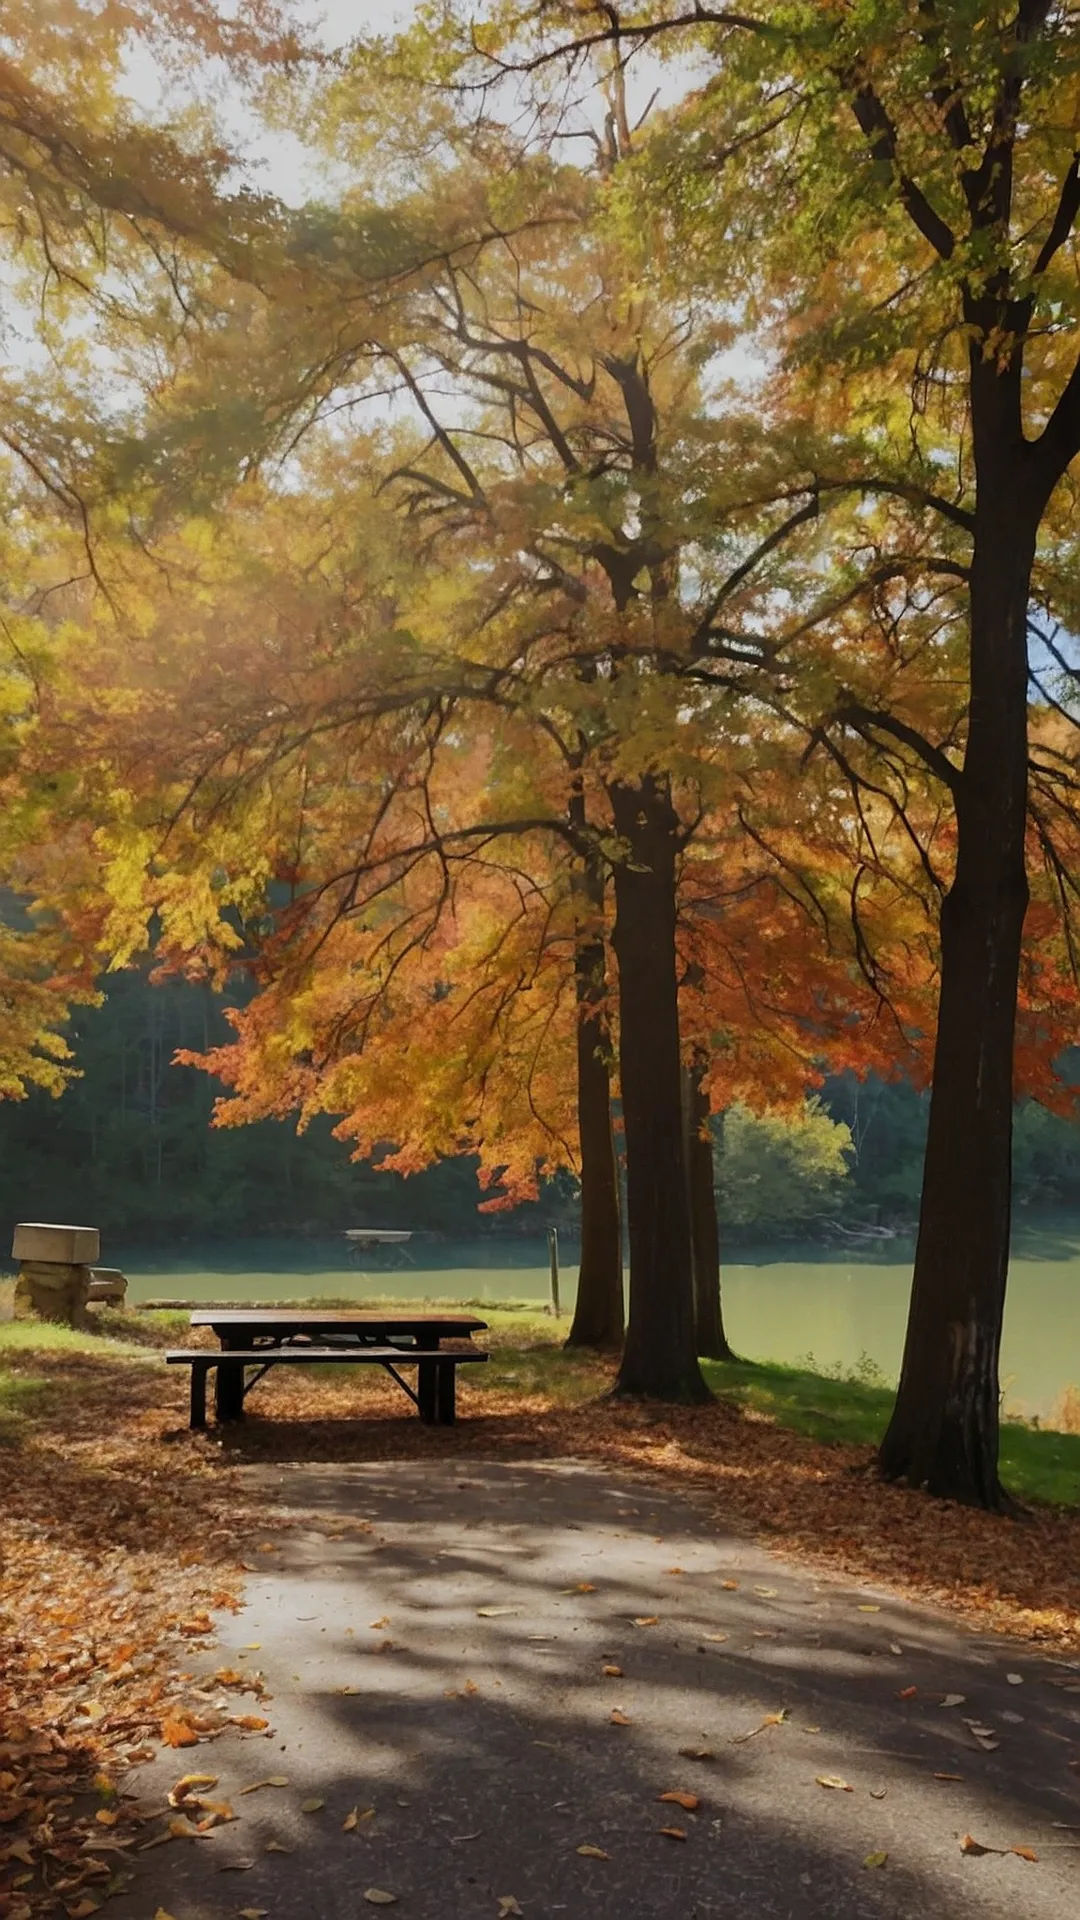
486, 1745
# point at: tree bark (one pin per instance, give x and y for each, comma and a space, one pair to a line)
943, 1434
659, 1358
712, 1341
599, 1315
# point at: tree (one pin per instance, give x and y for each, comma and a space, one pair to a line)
921, 158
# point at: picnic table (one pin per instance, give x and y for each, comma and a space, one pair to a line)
254, 1339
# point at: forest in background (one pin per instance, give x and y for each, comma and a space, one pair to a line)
129, 1147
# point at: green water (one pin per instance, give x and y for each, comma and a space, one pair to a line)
780, 1303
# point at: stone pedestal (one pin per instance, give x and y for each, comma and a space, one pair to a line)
108, 1285
54, 1271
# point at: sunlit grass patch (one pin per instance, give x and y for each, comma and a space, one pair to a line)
1037, 1463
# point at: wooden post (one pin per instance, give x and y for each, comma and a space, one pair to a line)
553, 1257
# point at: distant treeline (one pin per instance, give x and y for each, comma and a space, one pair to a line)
129, 1148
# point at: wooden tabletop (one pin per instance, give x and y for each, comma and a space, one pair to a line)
270, 1318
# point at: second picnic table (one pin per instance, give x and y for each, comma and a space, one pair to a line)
257, 1338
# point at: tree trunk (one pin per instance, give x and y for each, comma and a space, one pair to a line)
712, 1341
599, 1317
659, 1359
944, 1430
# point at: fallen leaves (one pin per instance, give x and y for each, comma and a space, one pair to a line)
968, 1844
770, 1720
593, 1853
314, 1805
613, 1672
380, 1897
876, 1860
672, 1833
508, 1908
353, 1819
675, 1797
275, 1780
619, 1718
646, 1620
834, 1781
199, 1623
496, 1613
178, 1733
190, 1783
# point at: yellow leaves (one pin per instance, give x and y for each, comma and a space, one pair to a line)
352, 1820
379, 1897
314, 1805
498, 1613
582, 1586
613, 1672
508, 1908
716, 1638
274, 1780
646, 1620
834, 1781
876, 1860
593, 1853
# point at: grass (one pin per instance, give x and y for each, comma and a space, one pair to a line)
1036, 1463
528, 1360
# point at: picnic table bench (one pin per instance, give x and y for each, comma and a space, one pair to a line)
252, 1340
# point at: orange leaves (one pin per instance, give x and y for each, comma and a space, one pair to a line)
199, 1623
619, 1718
969, 1845
675, 1797
177, 1732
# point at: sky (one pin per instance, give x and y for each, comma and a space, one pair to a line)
279, 163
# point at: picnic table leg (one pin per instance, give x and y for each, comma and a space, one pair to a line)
447, 1397
198, 1395
427, 1390
229, 1390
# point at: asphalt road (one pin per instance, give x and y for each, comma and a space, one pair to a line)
485, 1740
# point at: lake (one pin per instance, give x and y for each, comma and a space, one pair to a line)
788, 1304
